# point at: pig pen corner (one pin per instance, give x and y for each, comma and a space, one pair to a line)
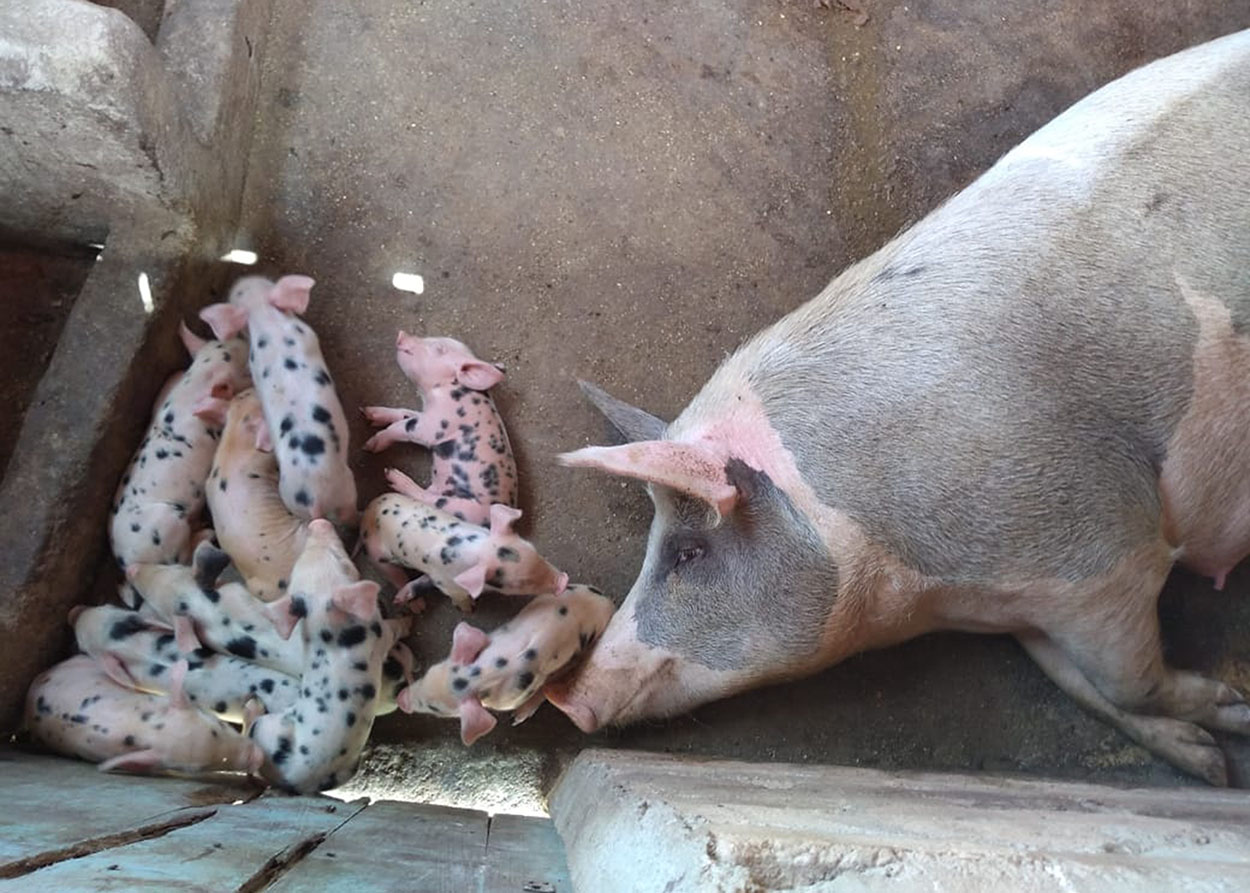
609, 192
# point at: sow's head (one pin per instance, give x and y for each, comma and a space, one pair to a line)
733, 593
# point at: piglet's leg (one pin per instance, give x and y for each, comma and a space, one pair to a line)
141, 762
406, 486
381, 416
529, 708
420, 428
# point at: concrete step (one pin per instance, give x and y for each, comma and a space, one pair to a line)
648, 822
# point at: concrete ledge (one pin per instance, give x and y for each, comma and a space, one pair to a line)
648, 822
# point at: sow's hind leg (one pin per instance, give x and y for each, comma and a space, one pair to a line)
1183, 744
1106, 653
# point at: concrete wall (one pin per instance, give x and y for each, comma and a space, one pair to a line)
106, 137
647, 822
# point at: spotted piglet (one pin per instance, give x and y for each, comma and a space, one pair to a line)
507, 669
137, 654
316, 743
471, 465
262, 537
162, 492
225, 618
75, 709
301, 407
461, 559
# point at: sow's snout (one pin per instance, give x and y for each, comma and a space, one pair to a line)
624, 680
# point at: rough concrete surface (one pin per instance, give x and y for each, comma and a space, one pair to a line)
623, 192
96, 146
644, 822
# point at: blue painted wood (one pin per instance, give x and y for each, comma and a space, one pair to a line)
53, 803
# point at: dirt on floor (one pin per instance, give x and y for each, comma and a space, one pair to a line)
622, 192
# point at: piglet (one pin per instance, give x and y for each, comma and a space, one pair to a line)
77, 710
507, 669
316, 743
136, 652
461, 559
225, 618
301, 407
253, 525
472, 465
162, 492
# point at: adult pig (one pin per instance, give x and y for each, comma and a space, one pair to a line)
162, 492
1015, 417
302, 409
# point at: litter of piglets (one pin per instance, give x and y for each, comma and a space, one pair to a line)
246, 639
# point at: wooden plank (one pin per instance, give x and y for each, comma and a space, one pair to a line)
53, 803
525, 853
229, 850
396, 846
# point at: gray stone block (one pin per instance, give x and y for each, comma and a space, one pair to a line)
647, 822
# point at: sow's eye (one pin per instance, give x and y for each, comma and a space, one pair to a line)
686, 553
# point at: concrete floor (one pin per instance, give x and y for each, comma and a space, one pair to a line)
624, 191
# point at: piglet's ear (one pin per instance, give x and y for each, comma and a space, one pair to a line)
290, 293
226, 320
467, 643
260, 430
475, 720
473, 580
191, 341
209, 563
686, 467
281, 616
360, 599
479, 376
502, 517
177, 679
211, 409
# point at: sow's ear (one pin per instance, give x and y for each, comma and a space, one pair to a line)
685, 467
632, 423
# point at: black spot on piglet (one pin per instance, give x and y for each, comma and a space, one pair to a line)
353, 635
320, 414
243, 646
445, 450
126, 628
